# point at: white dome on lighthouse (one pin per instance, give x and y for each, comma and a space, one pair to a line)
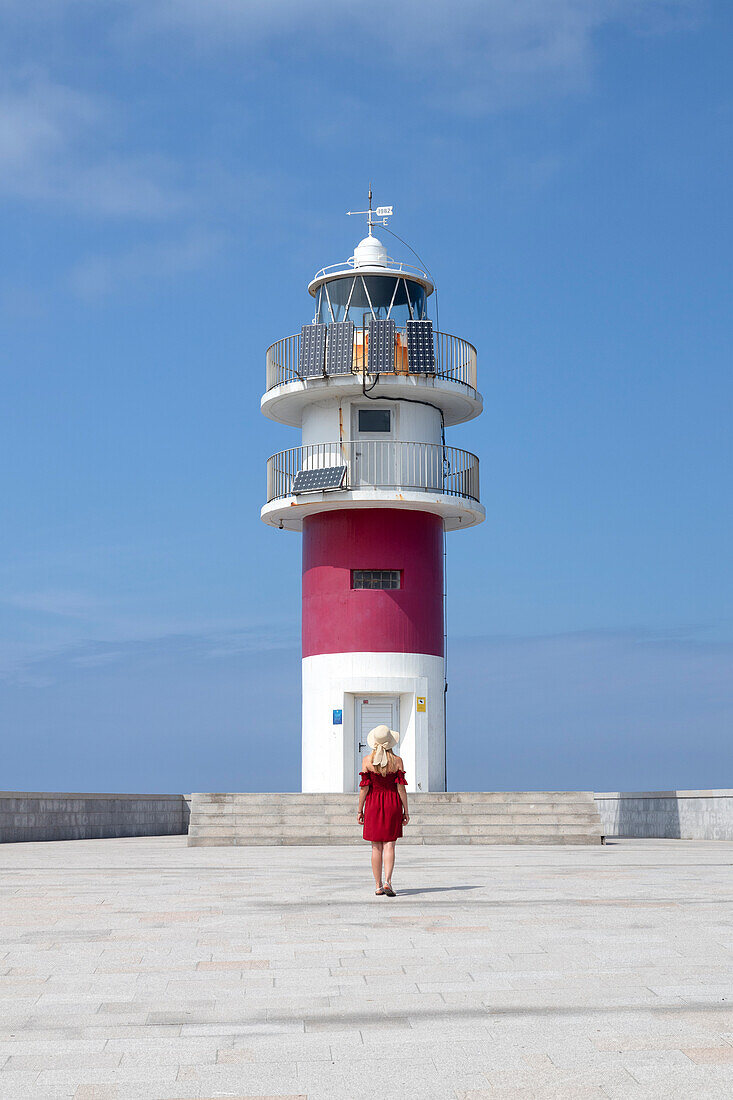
370, 253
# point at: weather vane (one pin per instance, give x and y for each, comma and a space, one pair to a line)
374, 217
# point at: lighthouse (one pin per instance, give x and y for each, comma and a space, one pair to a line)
373, 489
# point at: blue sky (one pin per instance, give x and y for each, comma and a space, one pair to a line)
171, 175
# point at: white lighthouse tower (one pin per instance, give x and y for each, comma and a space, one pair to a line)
373, 488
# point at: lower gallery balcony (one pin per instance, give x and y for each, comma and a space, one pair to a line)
373, 473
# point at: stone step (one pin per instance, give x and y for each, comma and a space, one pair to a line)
463, 809
456, 817
234, 840
343, 821
354, 832
427, 820
439, 797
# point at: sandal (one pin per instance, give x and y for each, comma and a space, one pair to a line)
381, 890
388, 890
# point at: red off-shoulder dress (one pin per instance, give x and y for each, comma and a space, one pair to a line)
383, 806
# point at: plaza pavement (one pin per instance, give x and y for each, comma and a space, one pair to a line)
144, 968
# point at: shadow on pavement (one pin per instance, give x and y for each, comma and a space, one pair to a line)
438, 889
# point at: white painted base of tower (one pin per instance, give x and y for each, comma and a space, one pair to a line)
335, 682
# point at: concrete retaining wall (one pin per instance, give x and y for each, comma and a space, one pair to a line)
680, 815
53, 816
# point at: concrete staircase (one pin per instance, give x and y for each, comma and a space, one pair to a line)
460, 817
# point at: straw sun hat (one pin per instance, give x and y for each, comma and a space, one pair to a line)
380, 739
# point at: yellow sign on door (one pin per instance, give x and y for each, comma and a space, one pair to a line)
421, 703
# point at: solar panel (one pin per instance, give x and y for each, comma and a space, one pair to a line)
420, 347
312, 350
381, 346
340, 353
313, 481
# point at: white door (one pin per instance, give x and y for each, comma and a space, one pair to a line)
371, 711
373, 432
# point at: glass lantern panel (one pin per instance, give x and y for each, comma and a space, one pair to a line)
378, 296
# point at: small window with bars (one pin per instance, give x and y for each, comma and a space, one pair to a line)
376, 578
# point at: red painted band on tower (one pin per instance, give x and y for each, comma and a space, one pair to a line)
340, 619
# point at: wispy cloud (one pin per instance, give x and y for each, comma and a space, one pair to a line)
96, 275
47, 632
622, 710
475, 57
61, 602
633, 710
56, 146
72, 148
160, 714
45, 664
38, 121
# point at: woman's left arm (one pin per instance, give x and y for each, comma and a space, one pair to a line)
363, 792
403, 794
403, 799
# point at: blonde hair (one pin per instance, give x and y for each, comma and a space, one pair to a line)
390, 766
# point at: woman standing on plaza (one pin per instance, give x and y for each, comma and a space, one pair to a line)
382, 803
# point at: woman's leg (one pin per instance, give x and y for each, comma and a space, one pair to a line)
377, 861
388, 859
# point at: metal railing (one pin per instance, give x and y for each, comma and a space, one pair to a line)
389, 268
455, 359
380, 464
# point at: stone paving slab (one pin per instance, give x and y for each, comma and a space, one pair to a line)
142, 968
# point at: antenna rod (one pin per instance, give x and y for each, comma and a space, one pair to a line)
369, 219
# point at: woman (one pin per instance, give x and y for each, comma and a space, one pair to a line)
382, 803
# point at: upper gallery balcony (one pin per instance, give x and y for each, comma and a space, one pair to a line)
339, 359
